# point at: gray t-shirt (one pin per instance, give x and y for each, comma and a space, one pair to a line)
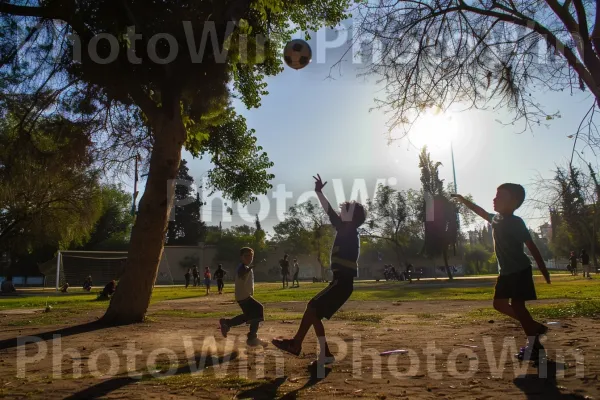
510, 233
244, 283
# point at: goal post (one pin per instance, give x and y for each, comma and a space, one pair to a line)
74, 266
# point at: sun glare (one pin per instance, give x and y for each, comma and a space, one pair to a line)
434, 130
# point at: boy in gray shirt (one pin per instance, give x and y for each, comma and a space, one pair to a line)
252, 310
515, 283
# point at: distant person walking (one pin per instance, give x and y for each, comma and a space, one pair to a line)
196, 275
219, 275
285, 271
585, 262
573, 263
187, 276
296, 270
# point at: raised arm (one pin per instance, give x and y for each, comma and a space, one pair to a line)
472, 206
333, 216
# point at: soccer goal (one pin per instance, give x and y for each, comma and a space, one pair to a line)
74, 267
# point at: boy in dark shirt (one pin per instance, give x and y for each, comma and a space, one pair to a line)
585, 264
344, 257
573, 263
515, 283
284, 264
187, 276
219, 275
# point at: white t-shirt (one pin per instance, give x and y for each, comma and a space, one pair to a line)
244, 283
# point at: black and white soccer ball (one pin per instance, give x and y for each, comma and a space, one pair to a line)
297, 54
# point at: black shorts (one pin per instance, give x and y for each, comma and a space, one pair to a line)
517, 286
252, 309
332, 298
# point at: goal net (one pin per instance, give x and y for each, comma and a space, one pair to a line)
74, 267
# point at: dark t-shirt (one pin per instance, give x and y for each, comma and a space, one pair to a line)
219, 274
573, 261
346, 247
585, 259
285, 266
510, 233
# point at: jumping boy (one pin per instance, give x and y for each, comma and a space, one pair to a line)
344, 257
252, 310
515, 283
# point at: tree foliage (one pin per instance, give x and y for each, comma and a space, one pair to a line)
112, 230
439, 214
306, 229
393, 218
573, 199
49, 192
230, 241
187, 229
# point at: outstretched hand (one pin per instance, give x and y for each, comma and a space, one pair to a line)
319, 185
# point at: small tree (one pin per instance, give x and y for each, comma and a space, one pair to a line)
306, 229
439, 215
391, 219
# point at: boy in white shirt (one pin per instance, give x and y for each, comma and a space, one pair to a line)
252, 310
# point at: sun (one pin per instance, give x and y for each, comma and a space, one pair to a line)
434, 129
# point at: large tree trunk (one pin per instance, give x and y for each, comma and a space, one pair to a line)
130, 302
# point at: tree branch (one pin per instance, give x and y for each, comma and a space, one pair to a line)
62, 12
26, 11
596, 31
582, 20
569, 55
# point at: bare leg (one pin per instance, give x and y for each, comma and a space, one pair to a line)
527, 322
519, 312
320, 332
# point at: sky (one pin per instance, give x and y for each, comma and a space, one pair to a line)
318, 120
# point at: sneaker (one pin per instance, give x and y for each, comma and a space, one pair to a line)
224, 327
255, 342
530, 353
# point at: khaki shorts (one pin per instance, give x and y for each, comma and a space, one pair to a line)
588, 269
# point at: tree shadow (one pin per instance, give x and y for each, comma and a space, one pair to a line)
63, 332
543, 385
102, 389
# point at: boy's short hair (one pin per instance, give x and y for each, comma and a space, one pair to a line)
245, 250
517, 192
359, 214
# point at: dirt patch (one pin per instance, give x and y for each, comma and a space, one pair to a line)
448, 356
21, 311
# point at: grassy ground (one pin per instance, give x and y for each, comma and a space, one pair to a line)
562, 287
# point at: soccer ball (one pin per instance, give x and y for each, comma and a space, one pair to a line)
297, 54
